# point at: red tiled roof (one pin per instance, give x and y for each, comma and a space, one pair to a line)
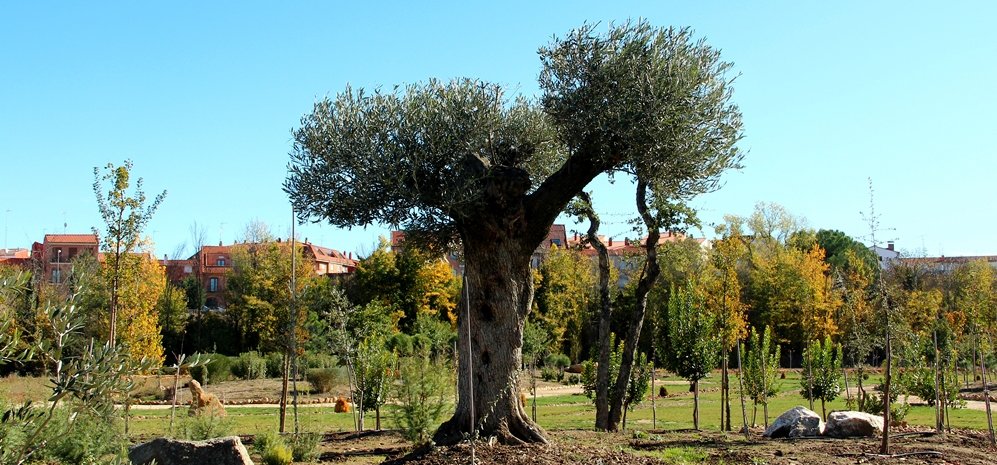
71, 238
967, 259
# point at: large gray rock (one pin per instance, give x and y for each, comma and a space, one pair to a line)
851, 424
795, 422
220, 451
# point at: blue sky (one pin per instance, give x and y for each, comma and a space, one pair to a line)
202, 96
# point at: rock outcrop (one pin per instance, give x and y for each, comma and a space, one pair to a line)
202, 402
220, 451
796, 422
849, 424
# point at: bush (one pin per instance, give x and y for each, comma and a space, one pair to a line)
551, 374
87, 439
574, 379
421, 395
304, 446
323, 380
559, 361
273, 449
250, 365
275, 365
220, 367
317, 360
200, 373
206, 426
277, 455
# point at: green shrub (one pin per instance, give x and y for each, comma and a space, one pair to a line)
86, 439
323, 380
304, 446
421, 395
275, 365
273, 449
312, 360
207, 426
277, 455
220, 367
551, 374
262, 441
559, 361
249, 365
200, 373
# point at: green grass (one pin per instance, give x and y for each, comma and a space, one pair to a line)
675, 412
676, 455
250, 420
555, 413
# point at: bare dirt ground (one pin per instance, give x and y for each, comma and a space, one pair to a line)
668, 447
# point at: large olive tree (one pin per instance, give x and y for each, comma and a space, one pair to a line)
459, 164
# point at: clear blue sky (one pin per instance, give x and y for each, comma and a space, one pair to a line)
203, 96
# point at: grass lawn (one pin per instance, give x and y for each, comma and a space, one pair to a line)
564, 412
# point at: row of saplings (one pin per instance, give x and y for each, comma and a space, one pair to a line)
822, 378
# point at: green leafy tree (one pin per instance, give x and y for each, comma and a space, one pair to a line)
125, 216
693, 345
459, 162
422, 394
821, 375
761, 371
173, 316
410, 283
372, 366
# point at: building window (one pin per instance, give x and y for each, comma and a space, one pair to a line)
220, 261
188, 269
213, 285
56, 275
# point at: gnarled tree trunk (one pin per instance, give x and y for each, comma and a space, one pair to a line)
648, 276
498, 279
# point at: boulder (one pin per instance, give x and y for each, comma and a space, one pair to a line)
203, 402
795, 422
851, 424
577, 369
219, 451
342, 405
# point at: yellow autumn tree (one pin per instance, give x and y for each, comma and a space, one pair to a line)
793, 292
723, 298
140, 286
437, 290
259, 292
566, 286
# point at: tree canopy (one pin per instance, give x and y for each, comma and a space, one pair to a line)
461, 162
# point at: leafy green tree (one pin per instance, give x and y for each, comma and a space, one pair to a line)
173, 316
372, 366
821, 375
837, 247
639, 385
410, 283
422, 393
693, 347
458, 162
124, 219
761, 371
